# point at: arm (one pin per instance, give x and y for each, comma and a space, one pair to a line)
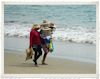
31, 39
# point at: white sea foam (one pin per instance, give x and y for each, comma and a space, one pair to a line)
71, 34
79, 35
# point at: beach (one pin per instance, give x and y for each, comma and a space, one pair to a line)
14, 59
15, 64
74, 38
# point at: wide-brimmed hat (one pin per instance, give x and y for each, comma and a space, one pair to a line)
45, 23
46, 28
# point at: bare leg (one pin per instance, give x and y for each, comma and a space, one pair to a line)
44, 57
45, 49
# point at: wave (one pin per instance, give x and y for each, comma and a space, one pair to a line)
78, 35
70, 34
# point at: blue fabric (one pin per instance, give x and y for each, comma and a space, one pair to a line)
47, 39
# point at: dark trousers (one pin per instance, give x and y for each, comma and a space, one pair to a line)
38, 52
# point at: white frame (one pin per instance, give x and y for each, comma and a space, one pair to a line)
52, 75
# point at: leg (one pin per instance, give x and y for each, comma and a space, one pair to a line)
45, 49
44, 57
35, 56
39, 52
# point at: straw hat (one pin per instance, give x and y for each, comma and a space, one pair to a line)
45, 28
49, 24
46, 25
45, 22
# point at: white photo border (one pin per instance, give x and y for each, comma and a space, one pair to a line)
51, 75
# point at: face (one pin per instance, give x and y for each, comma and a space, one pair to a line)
51, 24
38, 27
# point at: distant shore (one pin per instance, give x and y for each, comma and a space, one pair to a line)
15, 64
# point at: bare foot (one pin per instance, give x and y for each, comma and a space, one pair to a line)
44, 64
36, 65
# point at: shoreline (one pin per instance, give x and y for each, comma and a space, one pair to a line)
72, 51
59, 57
15, 63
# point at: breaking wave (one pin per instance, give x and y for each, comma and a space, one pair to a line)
71, 34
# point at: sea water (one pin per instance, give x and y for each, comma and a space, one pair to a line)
74, 23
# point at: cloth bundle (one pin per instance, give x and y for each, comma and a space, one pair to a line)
49, 43
51, 47
29, 53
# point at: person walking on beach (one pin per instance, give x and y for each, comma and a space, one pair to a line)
46, 32
35, 42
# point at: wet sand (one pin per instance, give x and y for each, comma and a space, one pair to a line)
14, 63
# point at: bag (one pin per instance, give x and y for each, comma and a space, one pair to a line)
51, 47
29, 53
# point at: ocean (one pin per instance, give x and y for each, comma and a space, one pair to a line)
74, 23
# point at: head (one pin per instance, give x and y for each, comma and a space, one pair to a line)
52, 26
36, 26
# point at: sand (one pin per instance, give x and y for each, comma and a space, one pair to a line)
14, 63
62, 49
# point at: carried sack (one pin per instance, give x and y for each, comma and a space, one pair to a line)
51, 47
29, 53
